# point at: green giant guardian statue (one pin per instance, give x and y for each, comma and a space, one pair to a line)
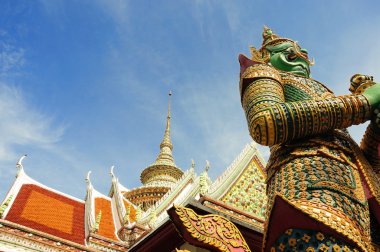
323, 189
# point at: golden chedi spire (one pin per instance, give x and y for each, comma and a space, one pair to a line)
163, 172
166, 147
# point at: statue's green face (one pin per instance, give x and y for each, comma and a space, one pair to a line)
289, 57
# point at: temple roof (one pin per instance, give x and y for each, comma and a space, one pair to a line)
242, 185
115, 222
167, 237
240, 188
104, 216
44, 209
48, 212
33, 205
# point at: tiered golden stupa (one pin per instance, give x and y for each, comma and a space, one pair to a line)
160, 176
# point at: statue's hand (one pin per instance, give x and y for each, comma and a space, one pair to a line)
376, 118
372, 94
375, 123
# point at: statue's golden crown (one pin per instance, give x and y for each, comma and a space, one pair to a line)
270, 38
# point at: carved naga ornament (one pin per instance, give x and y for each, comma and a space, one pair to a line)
208, 231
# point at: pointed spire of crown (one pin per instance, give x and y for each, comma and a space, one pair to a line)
262, 55
270, 38
268, 35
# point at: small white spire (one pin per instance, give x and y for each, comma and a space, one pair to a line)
88, 181
88, 177
118, 196
19, 166
89, 207
111, 173
207, 165
204, 180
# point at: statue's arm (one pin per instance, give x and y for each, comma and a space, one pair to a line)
371, 139
360, 83
271, 120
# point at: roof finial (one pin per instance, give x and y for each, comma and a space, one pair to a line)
207, 165
88, 181
111, 172
88, 176
204, 180
19, 166
192, 163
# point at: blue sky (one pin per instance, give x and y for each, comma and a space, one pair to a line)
83, 84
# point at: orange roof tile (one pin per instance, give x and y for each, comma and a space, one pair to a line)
106, 225
132, 213
49, 212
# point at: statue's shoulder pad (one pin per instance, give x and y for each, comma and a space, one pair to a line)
251, 70
259, 71
255, 70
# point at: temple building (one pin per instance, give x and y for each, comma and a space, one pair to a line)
163, 214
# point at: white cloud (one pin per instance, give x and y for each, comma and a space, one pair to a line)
53, 7
232, 12
216, 128
11, 58
117, 9
205, 11
21, 124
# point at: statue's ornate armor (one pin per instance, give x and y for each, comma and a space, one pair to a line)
315, 168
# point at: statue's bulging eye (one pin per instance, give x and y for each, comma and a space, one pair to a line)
290, 50
292, 55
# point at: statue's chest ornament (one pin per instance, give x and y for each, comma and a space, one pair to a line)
298, 88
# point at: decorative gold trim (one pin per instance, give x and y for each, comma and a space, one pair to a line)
260, 56
4, 206
97, 222
328, 217
213, 230
261, 71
